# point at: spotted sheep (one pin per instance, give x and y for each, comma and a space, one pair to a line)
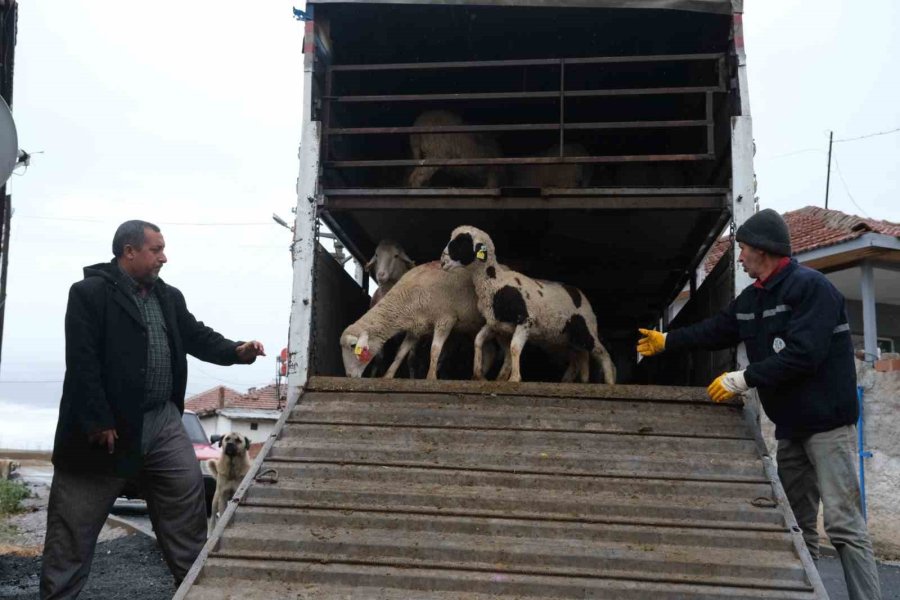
430, 146
388, 264
426, 301
555, 316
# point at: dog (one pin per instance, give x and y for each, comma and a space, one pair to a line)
7, 467
229, 470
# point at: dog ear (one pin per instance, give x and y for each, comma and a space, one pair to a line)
246, 443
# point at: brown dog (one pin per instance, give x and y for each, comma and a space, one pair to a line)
229, 470
7, 467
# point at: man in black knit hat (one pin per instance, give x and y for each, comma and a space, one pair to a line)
794, 324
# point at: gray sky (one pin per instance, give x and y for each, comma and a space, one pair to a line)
187, 114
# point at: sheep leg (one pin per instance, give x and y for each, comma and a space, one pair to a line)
584, 367
602, 356
421, 175
442, 331
486, 334
506, 367
516, 344
573, 368
408, 342
489, 355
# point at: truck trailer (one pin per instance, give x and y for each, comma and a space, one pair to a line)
435, 489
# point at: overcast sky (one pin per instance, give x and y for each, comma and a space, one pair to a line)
187, 114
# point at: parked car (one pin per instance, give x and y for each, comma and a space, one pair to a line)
203, 449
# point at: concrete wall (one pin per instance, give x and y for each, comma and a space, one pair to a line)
881, 397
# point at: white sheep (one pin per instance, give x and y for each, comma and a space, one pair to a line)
389, 263
564, 175
553, 315
429, 146
427, 300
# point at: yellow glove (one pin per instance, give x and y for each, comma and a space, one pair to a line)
726, 386
652, 343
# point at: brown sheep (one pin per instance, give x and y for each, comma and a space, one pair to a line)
429, 146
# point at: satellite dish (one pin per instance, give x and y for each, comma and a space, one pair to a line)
9, 143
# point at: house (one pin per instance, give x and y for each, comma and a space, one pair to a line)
860, 256
254, 414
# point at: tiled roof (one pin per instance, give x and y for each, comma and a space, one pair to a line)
263, 398
207, 402
812, 227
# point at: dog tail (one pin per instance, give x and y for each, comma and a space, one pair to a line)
212, 466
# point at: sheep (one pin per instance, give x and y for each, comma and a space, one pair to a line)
389, 263
564, 175
428, 146
553, 315
427, 300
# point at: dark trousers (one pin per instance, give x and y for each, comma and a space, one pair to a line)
79, 504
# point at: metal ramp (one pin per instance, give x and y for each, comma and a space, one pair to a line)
380, 489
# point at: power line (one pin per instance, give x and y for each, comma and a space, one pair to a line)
31, 381
837, 166
868, 135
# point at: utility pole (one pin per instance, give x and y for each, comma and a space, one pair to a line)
828, 177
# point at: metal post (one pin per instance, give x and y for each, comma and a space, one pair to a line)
863, 454
828, 177
870, 330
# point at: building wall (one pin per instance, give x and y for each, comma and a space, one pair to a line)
218, 424
887, 321
881, 401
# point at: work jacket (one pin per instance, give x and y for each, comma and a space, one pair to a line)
798, 343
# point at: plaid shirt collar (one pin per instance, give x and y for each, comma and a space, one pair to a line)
133, 286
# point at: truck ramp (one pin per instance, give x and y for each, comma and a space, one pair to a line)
377, 489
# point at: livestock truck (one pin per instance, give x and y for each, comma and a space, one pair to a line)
410, 488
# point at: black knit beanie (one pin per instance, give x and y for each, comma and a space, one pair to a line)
767, 231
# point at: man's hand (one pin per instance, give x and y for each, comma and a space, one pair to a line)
248, 351
652, 343
727, 385
105, 438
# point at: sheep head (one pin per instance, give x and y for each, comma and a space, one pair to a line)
389, 263
469, 247
357, 351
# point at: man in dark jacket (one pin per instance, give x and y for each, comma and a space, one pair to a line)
794, 325
127, 336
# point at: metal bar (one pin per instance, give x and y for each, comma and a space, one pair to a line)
525, 63
649, 191
710, 126
349, 203
326, 117
394, 425
599, 125
863, 454
562, 105
509, 569
530, 517
526, 95
531, 160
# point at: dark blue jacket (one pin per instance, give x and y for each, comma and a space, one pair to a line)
798, 342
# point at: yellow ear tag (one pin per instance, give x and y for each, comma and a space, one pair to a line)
482, 253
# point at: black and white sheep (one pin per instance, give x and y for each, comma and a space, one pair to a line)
430, 146
427, 300
553, 315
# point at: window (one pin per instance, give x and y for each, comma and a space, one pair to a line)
254, 426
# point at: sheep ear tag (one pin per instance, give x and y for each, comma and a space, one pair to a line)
362, 354
481, 252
